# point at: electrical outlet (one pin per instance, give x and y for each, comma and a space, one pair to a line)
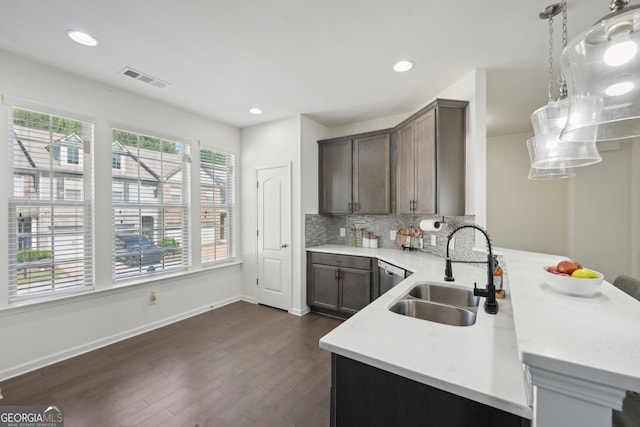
343, 232
392, 235
153, 299
433, 240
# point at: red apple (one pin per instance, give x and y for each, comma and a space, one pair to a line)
568, 266
552, 269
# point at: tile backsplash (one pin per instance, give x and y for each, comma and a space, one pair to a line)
325, 229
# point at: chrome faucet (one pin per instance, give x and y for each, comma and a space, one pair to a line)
490, 304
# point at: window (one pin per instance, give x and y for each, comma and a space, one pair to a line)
73, 155
150, 199
217, 200
116, 161
50, 204
72, 189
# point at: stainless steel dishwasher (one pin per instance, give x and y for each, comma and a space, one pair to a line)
390, 275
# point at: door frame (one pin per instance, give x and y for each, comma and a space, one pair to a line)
290, 228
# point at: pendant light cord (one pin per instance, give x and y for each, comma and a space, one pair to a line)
550, 84
562, 83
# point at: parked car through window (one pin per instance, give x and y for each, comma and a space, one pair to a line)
135, 251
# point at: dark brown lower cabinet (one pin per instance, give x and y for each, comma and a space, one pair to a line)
339, 285
362, 395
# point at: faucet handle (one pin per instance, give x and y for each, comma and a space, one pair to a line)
479, 292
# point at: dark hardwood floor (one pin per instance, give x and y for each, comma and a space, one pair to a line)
238, 365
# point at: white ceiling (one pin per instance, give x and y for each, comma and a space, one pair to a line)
331, 60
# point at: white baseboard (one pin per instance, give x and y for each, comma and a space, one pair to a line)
300, 312
94, 345
248, 299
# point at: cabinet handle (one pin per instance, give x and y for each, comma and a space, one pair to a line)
337, 274
357, 208
415, 205
349, 207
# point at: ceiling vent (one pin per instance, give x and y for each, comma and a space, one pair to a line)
138, 75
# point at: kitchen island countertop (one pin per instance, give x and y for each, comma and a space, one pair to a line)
587, 343
478, 362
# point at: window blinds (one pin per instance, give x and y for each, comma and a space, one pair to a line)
50, 205
150, 199
217, 199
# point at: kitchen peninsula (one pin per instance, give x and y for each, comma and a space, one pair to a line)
558, 359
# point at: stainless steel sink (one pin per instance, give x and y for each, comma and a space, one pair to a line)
449, 315
445, 295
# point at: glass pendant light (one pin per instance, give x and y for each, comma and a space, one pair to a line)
545, 174
602, 66
549, 121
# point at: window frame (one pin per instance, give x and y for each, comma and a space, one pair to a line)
227, 211
81, 254
142, 191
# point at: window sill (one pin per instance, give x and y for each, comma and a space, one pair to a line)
117, 287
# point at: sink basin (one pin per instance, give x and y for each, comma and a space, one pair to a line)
438, 313
445, 295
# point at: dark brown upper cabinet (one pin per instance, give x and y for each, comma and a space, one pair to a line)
426, 177
355, 174
430, 164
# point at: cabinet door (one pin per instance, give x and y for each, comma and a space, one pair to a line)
425, 171
355, 290
372, 179
324, 287
335, 167
406, 169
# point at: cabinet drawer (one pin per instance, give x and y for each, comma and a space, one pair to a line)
362, 263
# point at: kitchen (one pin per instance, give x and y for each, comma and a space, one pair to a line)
293, 140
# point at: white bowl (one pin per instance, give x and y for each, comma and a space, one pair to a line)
572, 285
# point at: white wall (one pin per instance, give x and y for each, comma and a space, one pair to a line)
40, 334
311, 133
473, 88
524, 214
369, 125
635, 209
593, 217
603, 218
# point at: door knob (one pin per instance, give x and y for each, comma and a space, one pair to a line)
284, 245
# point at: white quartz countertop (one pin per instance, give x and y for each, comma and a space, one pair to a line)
595, 338
479, 362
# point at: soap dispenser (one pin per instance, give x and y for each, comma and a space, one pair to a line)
497, 278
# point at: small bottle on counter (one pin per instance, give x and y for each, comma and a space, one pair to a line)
352, 237
373, 241
365, 239
497, 278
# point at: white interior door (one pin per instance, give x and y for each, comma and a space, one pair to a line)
274, 236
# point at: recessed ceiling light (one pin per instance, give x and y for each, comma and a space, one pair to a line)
82, 38
402, 66
255, 111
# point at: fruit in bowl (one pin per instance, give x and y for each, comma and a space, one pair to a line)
571, 278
